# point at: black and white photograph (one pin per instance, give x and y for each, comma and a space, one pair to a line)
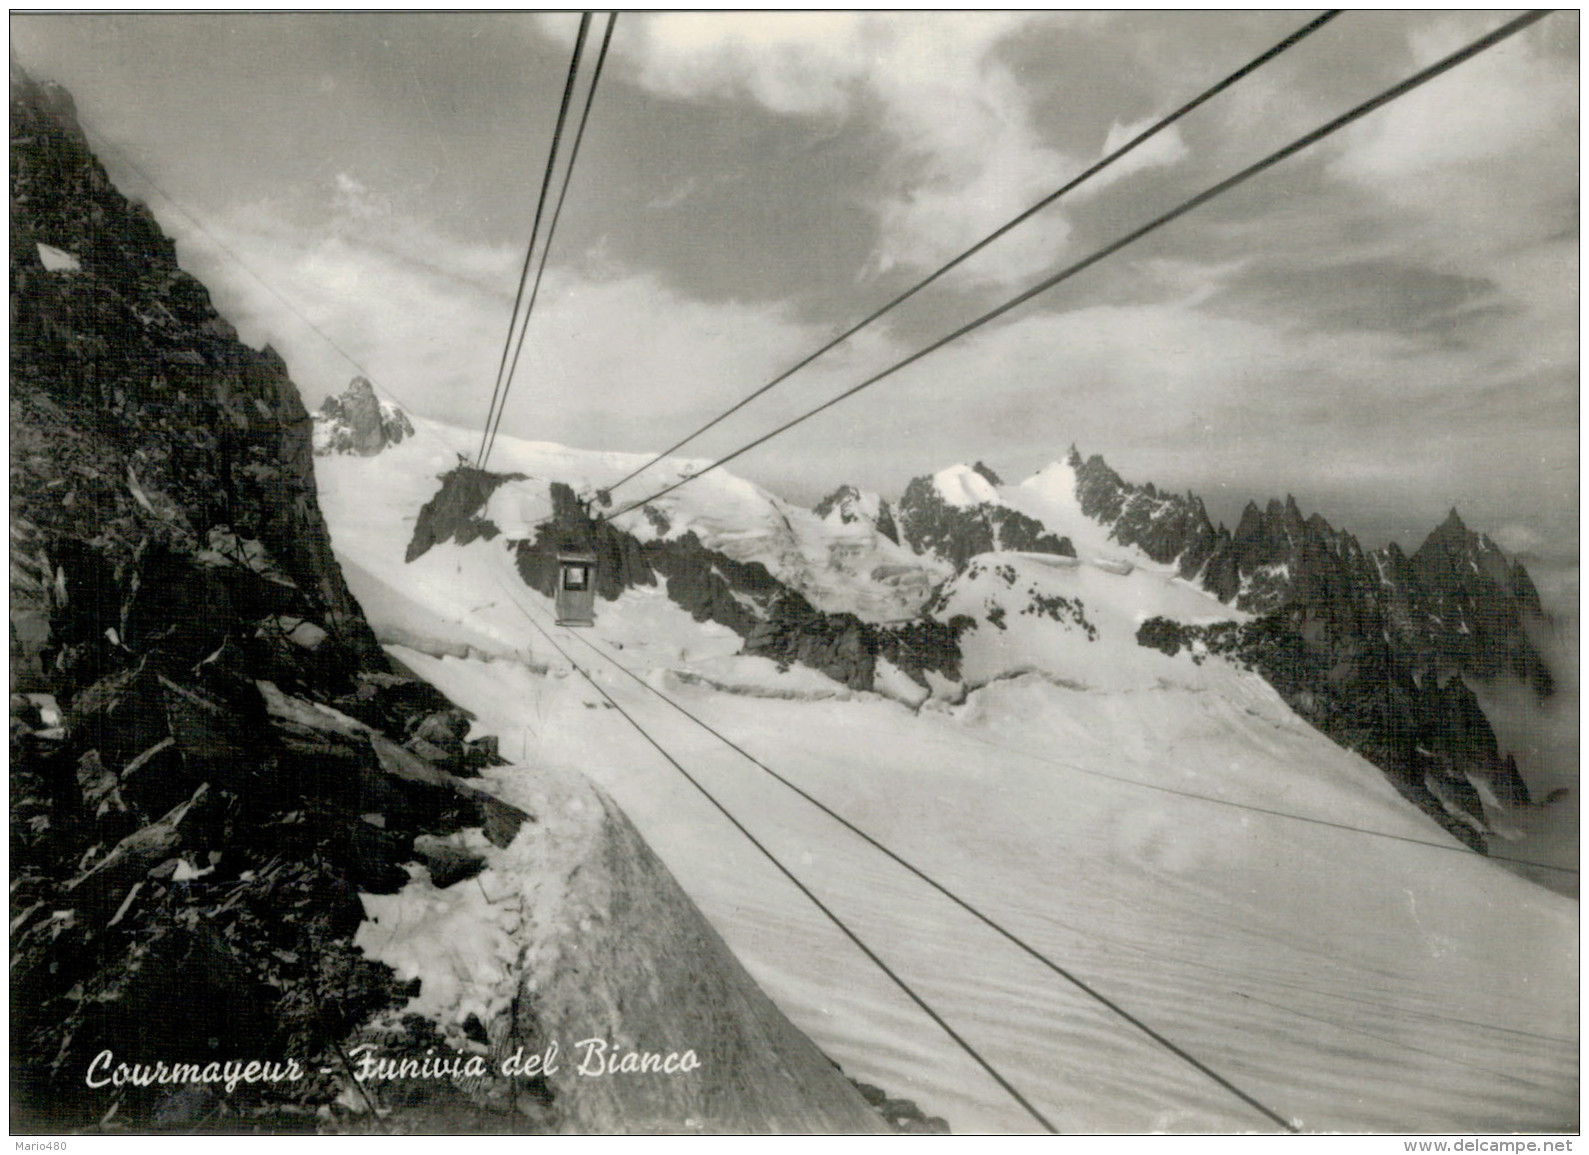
759, 572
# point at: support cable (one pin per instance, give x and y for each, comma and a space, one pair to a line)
787, 873
535, 230
1397, 90
1141, 138
1178, 1051
1454, 849
551, 231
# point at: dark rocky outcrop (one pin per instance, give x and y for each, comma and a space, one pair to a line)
775, 621
454, 513
359, 422
902, 1115
1430, 738
1457, 606
1467, 607
956, 533
1371, 646
134, 411
211, 758
846, 649
202, 771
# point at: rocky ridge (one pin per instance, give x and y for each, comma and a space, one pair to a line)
929, 522
1456, 606
357, 421
1371, 646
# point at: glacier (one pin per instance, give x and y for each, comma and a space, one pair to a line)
1164, 827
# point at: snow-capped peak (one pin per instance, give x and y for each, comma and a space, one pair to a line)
1056, 483
849, 506
963, 485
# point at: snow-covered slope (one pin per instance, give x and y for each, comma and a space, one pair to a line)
1164, 827
836, 565
1049, 495
1074, 619
576, 933
963, 485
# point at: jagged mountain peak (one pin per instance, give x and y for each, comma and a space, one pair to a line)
963, 486
1453, 537
1457, 604
359, 422
47, 96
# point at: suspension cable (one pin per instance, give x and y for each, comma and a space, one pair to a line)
1397, 90
787, 873
1042, 958
551, 231
1141, 138
1454, 848
535, 229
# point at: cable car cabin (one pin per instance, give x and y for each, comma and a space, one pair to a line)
576, 588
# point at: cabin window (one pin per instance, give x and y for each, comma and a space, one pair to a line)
575, 577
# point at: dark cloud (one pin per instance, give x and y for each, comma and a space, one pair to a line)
1385, 295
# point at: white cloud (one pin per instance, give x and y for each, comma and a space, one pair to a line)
1173, 394
792, 62
1516, 538
1159, 151
963, 153
1479, 147
353, 198
1506, 100
621, 359
612, 356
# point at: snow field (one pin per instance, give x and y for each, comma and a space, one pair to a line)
1353, 982
1239, 935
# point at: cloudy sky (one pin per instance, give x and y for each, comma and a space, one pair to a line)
1385, 325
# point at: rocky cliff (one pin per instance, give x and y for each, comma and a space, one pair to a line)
1371, 646
215, 771
188, 839
1456, 606
955, 515
356, 421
